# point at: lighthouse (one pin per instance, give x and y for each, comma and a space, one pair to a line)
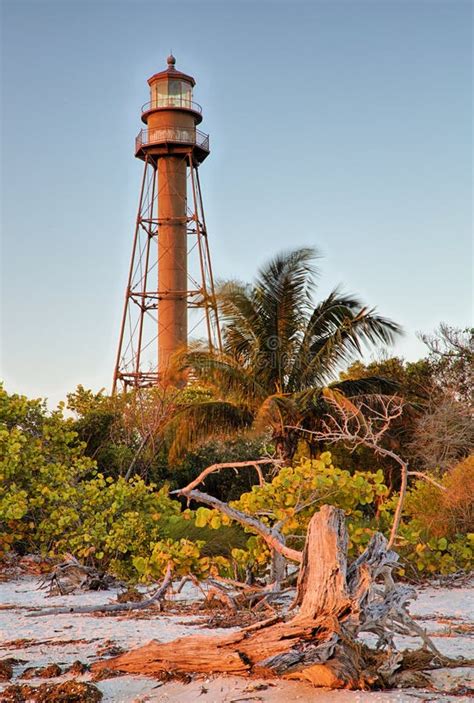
163, 287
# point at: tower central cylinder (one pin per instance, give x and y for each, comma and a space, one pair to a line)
172, 258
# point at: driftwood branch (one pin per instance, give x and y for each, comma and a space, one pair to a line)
70, 575
272, 537
111, 607
257, 463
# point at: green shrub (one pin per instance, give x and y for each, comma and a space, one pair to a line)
421, 557
41, 463
53, 499
108, 522
46, 503
437, 530
184, 556
215, 542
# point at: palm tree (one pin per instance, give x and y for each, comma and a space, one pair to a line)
281, 355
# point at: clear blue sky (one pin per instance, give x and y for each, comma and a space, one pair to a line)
344, 125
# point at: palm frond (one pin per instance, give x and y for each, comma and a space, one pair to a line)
337, 331
276, 411
282, 291
195, 423
224, 374
238, 313
264, 321
364, 386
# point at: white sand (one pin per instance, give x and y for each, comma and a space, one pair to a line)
63, 639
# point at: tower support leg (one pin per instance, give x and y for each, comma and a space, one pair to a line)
163, 286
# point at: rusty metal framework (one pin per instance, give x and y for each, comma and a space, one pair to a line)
137, 357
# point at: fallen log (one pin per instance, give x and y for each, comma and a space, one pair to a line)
320, 642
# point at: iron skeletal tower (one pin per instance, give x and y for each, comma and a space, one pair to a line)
170, 289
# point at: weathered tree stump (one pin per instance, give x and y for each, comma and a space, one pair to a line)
335, 603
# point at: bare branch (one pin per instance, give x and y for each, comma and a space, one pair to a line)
444, 434
228, 465
425, 477
365, 424
271, 536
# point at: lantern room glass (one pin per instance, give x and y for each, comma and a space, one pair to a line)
171, 93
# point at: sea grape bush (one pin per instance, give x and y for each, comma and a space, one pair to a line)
185, 557
47, 504
53, 499
109, 522
292, 497
424, 557
41, 462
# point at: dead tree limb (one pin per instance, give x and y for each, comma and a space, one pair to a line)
272, 537
112, 607
320, 642
229, 465
142, 444
428, 479
70, 575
